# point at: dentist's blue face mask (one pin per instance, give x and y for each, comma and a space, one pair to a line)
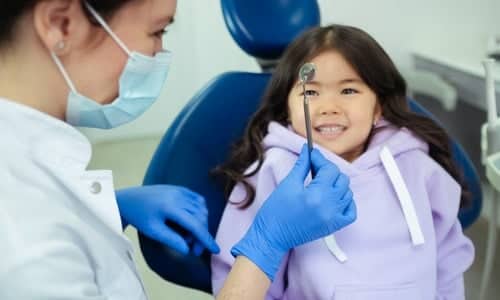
140, 85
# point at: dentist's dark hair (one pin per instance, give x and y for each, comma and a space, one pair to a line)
376, 69
12, 10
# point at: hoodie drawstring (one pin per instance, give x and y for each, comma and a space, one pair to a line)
334, 248
404, 196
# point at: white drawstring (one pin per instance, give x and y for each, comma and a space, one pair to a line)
334, 248
404, 196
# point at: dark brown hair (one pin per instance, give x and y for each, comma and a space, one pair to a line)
12, 10
376, 69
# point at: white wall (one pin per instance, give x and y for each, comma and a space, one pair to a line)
203, 48
401, 26
496, 13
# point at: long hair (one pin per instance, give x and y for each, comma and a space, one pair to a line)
376, 69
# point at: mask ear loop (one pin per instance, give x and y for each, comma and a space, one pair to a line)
62, 69
107, 28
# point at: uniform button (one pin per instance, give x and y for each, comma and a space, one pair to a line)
95, 188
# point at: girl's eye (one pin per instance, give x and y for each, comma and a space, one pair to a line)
349, 91
310, 93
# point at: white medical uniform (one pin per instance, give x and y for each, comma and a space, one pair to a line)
60, 230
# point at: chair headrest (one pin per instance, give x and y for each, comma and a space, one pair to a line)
264, 28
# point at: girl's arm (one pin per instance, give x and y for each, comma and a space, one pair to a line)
245, 282
455, 252
235, 223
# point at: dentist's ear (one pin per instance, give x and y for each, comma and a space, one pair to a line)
61, 25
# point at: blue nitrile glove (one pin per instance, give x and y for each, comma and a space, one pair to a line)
172, 215
294, 215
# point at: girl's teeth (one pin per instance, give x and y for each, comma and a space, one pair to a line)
332, 129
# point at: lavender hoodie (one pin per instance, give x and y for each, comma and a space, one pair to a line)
406, 243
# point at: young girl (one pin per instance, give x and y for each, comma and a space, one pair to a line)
407, 242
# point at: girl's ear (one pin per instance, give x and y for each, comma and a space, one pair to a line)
288, 119
377, 114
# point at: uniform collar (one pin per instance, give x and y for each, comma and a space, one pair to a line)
45, 136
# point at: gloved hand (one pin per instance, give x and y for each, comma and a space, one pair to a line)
172, 215
294, 215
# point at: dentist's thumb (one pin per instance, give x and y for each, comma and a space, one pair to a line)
301, 168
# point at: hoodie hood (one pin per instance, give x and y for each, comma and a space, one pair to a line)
398, 140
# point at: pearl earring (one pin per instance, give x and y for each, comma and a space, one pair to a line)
60, 45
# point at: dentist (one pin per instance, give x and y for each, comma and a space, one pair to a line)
100, 64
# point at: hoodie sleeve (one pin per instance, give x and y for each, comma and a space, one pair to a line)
455, 252
234, 224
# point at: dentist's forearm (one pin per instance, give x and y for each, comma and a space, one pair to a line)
245, 282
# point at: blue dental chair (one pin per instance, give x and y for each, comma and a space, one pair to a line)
200, 137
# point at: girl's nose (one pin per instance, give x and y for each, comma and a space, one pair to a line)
329, 107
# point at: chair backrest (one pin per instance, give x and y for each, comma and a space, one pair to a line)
200, 137
263, 29
198, 140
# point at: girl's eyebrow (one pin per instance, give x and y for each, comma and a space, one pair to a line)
351, 80
343, 81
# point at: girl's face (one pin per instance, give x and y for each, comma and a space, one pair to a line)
343, 108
